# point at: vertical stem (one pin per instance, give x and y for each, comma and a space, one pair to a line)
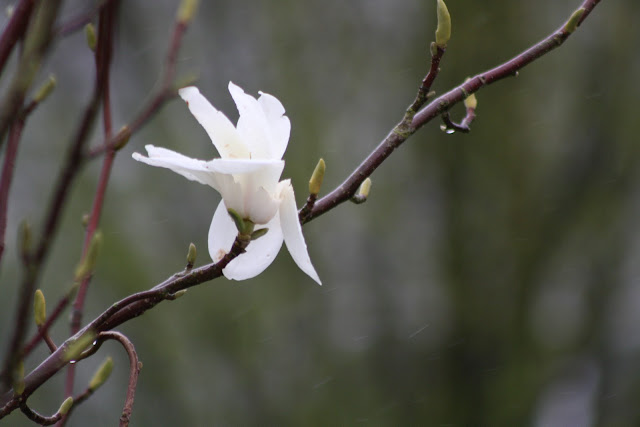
7, 177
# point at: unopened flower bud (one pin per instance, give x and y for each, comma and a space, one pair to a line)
18, 380
443, 30
178, 294
66, 405
46, 89
39, 308
363, 192
102, 374
315, 183
90, 34
365, 188
123, 136
88, 264
187, 10
191, 255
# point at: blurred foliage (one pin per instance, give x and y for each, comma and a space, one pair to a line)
490, 279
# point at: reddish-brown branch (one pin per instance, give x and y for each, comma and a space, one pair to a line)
44, 329
436, 107
134, 371
38, 418
37, 41
120, 312
103, 62
7, 177
35, 47
165, 93
14, 30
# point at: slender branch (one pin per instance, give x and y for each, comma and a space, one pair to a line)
436, 107
80, 20
38, 39
164, 94
104, 53
118, 313
38, 418
7, 177
15, 29
134, 371
47, 339
44, 329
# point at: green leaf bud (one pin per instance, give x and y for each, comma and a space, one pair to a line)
102, 374
315, 183
573, 21
39, 308
88, 264
187, 10
192, 253
90, 34
66, 405
443, 30
46, 89
259, 233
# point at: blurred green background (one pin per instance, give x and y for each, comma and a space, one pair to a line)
491, 279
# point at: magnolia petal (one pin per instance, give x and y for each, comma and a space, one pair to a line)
292, 231
252, 124
223, 134
241, 166
222, 233
192, 169
260, 206
279, 124
259, 254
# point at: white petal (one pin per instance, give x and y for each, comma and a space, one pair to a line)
259, 254
192, 169
278, 124
222, 233
252, 124
240, 166
292, 231
223, 134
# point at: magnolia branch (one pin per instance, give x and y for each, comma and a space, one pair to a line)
443, 103
137, 304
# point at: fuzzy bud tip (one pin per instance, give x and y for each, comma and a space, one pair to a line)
102, 374
443, 30
187, 10
192, 253
39, 308
315, 183
90, 34
573, 21
66, 405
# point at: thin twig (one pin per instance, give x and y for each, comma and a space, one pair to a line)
15, 29
36, 44
7, 177
38, 418
134, 371
103, 57
118, 314
436, 107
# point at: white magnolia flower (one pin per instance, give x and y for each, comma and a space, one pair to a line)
247, 176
